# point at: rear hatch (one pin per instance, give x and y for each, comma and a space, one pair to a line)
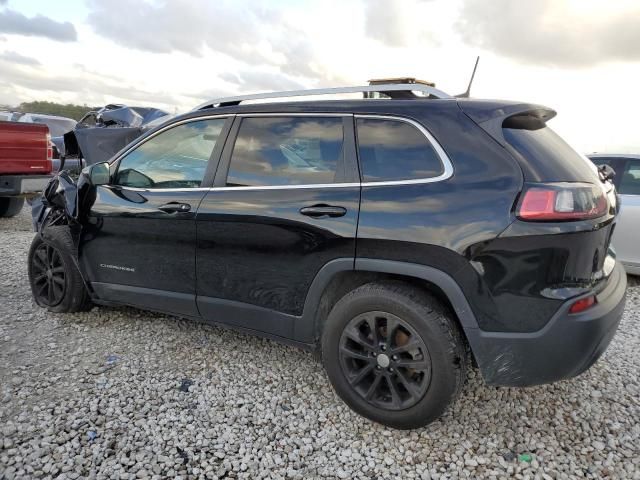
558, 244
25, 148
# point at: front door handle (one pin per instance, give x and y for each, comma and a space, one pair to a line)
175, 207
322, 210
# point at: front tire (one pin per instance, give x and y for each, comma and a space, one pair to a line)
394, 354
10, 206
56, 283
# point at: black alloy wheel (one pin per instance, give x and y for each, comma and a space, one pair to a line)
385, 360
48, 273
394, 353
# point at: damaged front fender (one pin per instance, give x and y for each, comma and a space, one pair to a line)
63, 202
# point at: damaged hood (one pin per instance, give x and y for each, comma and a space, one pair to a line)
102, 133
97, 145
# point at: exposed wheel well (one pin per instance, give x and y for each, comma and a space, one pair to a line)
346, 281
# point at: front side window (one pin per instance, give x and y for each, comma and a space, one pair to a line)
175, 158
395, 150
630, 181
286, 151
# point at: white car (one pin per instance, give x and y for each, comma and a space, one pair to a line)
626, 237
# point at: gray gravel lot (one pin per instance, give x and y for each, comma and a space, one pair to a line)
121, 393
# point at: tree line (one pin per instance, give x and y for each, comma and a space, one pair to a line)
51, 108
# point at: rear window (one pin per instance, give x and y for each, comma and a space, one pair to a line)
547, 157
395, 150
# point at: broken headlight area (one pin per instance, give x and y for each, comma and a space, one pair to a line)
64, 201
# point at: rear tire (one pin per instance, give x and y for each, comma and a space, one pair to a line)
10, 206
56, 283
405, 378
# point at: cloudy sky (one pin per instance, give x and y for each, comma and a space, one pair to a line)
581, 57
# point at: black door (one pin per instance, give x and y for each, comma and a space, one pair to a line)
139, 243
284, 203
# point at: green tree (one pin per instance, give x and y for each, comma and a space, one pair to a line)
51, 108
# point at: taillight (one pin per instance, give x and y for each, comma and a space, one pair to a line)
49, 148
558, 202
582, 304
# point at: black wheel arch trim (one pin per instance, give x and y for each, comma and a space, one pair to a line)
306, 328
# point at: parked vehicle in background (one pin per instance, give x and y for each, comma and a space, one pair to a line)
58, 126
393, 236
626, 238
25, 163
9, 116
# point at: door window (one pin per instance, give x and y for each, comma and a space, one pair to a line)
395, 150
286, 151
630, 181
175, 158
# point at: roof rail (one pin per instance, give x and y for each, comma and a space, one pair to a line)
393, 90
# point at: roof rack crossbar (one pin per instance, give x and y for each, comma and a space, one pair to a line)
402, 88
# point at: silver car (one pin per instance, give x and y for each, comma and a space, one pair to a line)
626, 238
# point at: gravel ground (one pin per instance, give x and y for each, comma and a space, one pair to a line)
121, 393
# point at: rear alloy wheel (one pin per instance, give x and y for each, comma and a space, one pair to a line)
394, 354
49, 278
385, 360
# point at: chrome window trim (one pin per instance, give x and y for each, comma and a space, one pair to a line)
447, 171
138, 189
288, 187
295, 114
444, 158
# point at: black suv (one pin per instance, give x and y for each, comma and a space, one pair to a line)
401, 238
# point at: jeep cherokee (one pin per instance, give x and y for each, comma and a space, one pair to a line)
400, 238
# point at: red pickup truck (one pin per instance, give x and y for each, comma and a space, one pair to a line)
25, 163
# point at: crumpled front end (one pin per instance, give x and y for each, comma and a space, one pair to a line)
63, 202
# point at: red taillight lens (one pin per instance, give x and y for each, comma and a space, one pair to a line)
49, 148
557, 202
582, 304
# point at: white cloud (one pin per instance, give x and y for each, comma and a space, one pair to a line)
552, 32
16, 58
396, 23
177, 54
13, 22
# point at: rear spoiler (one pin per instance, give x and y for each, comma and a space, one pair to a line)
491, 116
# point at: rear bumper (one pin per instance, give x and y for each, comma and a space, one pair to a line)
14, 185
567, 345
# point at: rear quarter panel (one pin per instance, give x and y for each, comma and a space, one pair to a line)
445, 224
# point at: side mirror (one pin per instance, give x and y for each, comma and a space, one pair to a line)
98, 173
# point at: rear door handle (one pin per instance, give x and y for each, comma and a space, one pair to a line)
175, 207
317, 211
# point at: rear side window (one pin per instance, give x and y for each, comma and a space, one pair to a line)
286, 151
630, 181
175, 158
548, 157
394, 150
